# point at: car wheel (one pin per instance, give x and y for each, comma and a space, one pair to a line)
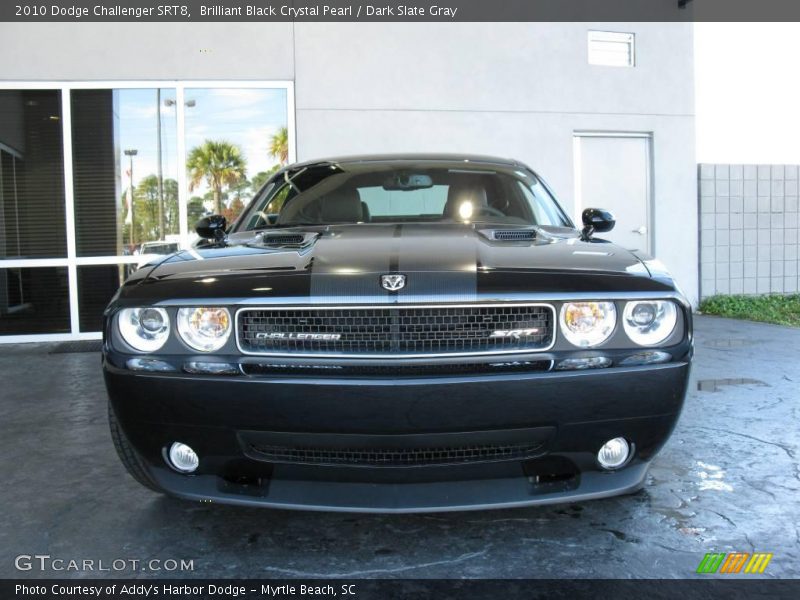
128, 455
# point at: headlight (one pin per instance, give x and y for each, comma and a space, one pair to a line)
204, 328
649, 322
588, 324
144, 329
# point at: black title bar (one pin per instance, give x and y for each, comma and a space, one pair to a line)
397, 11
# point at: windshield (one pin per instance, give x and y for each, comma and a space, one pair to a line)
326, 194
159, 248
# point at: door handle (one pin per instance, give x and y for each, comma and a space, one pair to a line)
641, 231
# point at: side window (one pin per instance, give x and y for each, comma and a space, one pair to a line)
542, 207
384, 203
271, 204
277, 201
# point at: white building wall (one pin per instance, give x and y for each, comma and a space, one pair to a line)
509, 89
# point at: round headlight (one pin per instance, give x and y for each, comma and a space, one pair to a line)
588, 324
204, 328
649, 322
144, 329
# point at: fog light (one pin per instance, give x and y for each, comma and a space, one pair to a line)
182, 458
614, 453
578, 364
149, 364
649, 357
211, 368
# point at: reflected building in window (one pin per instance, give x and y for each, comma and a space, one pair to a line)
79, 214
32, 213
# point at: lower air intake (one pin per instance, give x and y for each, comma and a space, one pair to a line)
396, 457
393, 371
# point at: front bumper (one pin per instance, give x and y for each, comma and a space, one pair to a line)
570, 414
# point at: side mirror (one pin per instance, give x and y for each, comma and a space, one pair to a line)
212, 227
596, 220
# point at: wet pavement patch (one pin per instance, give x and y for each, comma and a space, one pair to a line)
714, 385
729, 343
77, 346
622, 536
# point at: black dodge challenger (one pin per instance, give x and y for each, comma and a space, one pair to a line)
396, 334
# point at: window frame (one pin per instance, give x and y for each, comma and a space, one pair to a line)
72, 261
619, 37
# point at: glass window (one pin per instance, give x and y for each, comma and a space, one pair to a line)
34, 300
125, 170
96, 286
125, 173
383, 192
380, 203
32, 208
544, 211
611, 49
235, 140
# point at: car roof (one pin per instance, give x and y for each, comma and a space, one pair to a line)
411, 157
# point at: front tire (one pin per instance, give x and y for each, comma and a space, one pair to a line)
128, 455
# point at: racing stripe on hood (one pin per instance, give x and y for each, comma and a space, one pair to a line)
439, 264
347, 265
454, 277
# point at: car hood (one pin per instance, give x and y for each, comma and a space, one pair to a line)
441, 262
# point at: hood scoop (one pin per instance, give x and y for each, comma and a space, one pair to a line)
510, 235
287, 239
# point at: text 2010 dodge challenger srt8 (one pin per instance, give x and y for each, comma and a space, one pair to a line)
407, 333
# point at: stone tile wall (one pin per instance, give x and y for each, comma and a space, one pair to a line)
748, 229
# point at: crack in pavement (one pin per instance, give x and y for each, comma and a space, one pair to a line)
721, 516
438, 563
758, 489
789, 453
671, 549
507, 520
554, 542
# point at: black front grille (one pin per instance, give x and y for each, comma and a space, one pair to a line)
396, 457
396, 330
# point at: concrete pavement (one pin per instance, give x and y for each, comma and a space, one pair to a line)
728, 480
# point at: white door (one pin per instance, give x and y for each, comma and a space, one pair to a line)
613, 172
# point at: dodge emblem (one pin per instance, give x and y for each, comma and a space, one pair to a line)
393, 282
